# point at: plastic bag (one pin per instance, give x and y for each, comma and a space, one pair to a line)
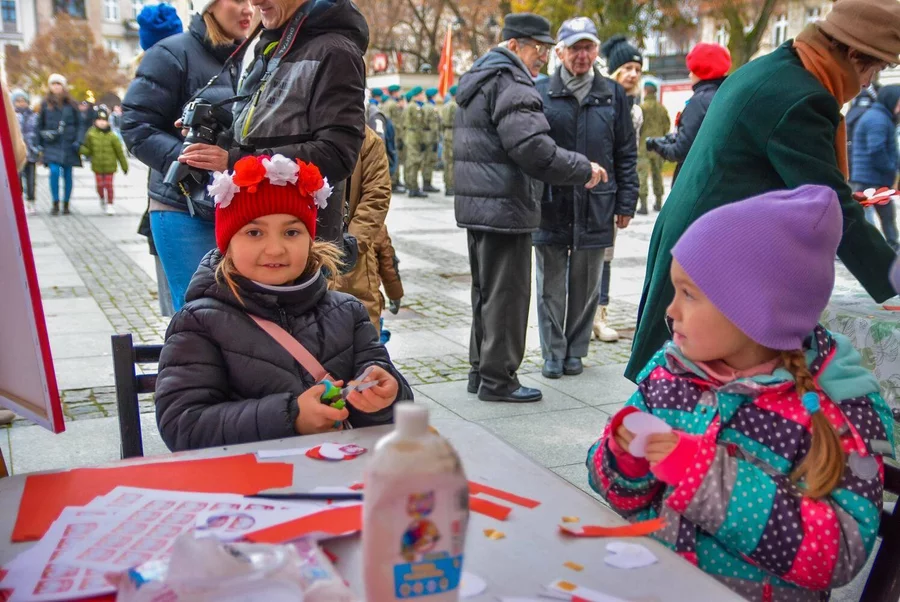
205, 570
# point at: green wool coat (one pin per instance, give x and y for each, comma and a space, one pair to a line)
771, 126
105, 151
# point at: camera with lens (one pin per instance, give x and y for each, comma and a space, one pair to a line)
207, 124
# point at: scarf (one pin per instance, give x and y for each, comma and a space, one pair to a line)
836, 74
579, 85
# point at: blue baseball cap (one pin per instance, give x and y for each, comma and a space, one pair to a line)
577, 29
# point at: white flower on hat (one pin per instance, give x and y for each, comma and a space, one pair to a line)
223, 188
320, 197
281, 171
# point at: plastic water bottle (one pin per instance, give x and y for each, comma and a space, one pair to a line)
415, 513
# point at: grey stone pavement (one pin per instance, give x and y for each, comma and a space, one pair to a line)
97, 278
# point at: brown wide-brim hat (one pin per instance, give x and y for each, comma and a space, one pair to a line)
870, 26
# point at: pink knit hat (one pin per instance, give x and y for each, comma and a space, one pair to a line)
767, 263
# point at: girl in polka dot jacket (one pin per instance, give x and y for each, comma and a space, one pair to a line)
771, 477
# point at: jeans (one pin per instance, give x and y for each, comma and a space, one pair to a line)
55, 169
181, 242
26, 177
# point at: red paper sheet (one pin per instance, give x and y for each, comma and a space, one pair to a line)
512, 498
46, 495
489, 508
633, 530
336, 521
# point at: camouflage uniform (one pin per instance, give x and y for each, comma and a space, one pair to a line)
394, 112
656, 124
432, 133
448, 115
415, 141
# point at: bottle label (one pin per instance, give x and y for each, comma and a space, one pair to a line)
428, 521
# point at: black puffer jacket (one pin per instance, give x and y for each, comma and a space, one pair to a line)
600, 128
502, 150
222, 380
59, 134
313, 105
676, 148
168, 76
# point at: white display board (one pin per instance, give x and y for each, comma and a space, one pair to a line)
27, 380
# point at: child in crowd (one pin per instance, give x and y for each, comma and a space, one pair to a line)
28, 126
388, 275
105, 151
223, 379
771, 478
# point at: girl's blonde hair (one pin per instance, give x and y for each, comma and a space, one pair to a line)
214, 31
635, 91
322, 256
823, 466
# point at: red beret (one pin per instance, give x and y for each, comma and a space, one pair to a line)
709, 61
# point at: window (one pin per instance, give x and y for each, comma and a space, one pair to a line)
115, 47
73, 8
136, 7
722, 35
8, 14
780, 32
813, 14
111, 10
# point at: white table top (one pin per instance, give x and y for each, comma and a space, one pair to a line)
533, 552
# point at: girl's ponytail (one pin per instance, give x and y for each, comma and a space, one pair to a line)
823, 466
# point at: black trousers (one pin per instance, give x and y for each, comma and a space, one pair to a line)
26, 177
501, 295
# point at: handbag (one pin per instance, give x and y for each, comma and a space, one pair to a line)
294, 347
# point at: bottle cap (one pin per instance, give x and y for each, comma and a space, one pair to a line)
411, 419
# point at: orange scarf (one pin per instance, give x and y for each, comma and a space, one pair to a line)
836, 74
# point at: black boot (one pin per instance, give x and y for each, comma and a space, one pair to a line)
415, 193
450, 192
657, 206
55, 209
399, 188
66, 209
429, 188
642, 209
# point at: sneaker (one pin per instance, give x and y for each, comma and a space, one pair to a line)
110, 210
30, 208
601, 330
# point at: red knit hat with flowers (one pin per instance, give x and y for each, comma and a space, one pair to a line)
709, 61
266, 185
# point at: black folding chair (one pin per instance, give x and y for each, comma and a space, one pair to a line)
883, 584
129, 384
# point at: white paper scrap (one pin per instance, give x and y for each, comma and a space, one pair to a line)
624, 555
268, 454
471, 585
642, 425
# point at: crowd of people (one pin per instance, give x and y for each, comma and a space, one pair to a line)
272, 169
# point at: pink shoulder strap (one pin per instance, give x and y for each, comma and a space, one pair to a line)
293, 346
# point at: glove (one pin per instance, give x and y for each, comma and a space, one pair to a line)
434, 148
394, 306
653, 144
422, 148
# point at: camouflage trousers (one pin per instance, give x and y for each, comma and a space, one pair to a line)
647, 166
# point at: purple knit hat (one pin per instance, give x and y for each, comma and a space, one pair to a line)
767, 263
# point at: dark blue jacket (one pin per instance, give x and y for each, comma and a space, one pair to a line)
502, 150
28, 120
59, 134
874, 161
168, 76
677, 147
600, 128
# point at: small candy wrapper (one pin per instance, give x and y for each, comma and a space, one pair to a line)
494, 534
574, 566
571, 519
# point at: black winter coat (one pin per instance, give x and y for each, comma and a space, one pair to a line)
223, 380
676, 149
313, 105
59, 134
168, 76
600, 127
502, 149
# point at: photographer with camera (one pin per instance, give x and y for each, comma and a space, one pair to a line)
303, 97
170, 74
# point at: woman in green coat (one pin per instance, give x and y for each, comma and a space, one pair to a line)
776, 124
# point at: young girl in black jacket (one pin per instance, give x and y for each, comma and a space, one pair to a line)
224, 380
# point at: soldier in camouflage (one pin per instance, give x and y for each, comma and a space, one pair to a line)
393, 109
414, 140
448, 115
432, 136
656, 124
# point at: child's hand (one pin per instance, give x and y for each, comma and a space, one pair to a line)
660, 445
623, 437
315, 416
378, 397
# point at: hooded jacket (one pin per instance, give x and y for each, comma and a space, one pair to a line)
28, 121
168, 76
312, 106
677, 147
223, 380
502, 149
874, 159
725, 491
